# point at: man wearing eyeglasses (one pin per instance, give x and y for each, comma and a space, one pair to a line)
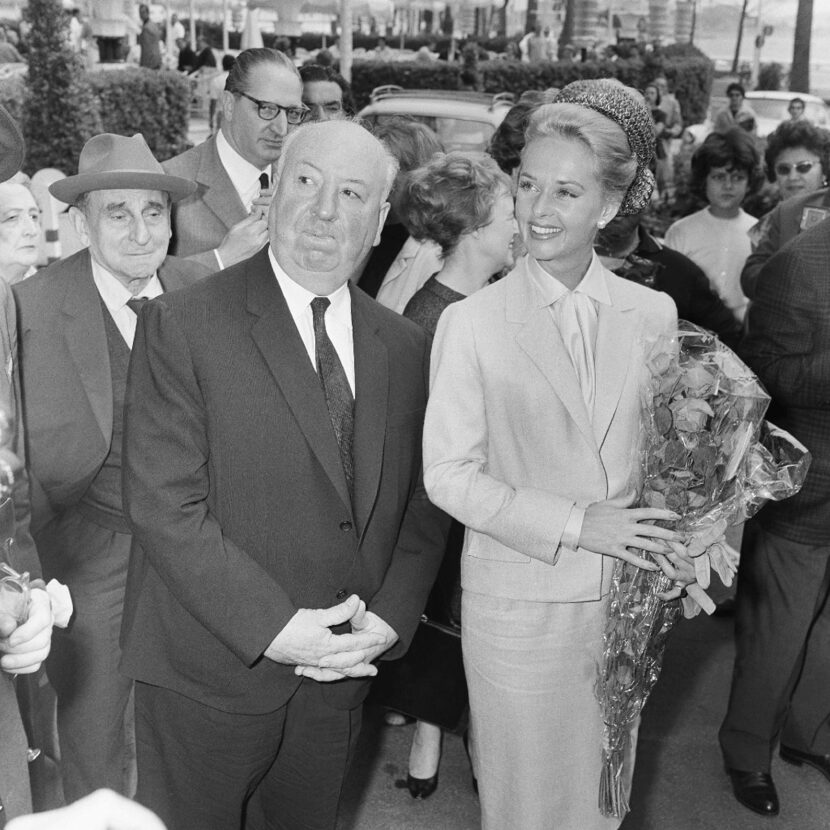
224, 221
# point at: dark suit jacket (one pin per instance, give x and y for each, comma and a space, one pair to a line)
65, 377
236, 495
780, 225
201, 221
788, 345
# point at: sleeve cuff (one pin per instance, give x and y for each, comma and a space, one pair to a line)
62, 607
573, 528
218, 259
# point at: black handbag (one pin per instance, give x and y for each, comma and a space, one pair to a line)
428, 682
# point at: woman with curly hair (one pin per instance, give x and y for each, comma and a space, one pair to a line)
725, 170
797, 157
462, 203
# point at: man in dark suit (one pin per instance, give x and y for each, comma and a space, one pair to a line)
224, 221
284, 540
76, 322
782, 616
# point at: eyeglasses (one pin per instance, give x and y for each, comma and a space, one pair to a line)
268, 110
735, 177
801, 167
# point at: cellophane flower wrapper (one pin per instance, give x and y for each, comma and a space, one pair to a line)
706, 454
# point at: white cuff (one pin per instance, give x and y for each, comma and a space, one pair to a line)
219, 259
62, 607
573, 528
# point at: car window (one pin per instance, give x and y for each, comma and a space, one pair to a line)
455, 133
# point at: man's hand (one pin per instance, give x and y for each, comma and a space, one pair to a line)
306, 640
28, 645
262, 204
103, 810
244, 239
347, 664
612, 527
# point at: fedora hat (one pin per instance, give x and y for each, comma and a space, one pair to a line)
115, 162
11, 146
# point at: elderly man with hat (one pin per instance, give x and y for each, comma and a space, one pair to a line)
76, 320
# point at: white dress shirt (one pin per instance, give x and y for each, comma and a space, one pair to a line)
338, 318
575, 314
243, 175
115, 296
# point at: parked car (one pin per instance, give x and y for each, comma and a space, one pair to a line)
462, 120
770, 110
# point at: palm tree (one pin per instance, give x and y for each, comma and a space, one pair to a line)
800, 71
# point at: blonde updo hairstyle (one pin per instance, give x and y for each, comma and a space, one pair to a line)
614, 161
451, 195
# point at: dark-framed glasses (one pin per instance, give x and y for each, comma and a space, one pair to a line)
784, 168
268, 110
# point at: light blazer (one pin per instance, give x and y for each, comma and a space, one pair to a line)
236, 495
508, 446
65, 377
201, 221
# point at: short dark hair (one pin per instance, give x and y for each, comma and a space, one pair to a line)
736, 87
247, 60
735, 149
509, 138
797, 101
311, 73
797, 134
227, 62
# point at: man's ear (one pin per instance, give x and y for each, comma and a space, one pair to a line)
79, 222
228, 102
384, 212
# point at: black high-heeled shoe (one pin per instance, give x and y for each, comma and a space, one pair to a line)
418, 787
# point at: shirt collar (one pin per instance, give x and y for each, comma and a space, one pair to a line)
114, 293
299, 298
593, 284
238, 168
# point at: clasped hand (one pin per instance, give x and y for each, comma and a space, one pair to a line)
27, 646
309, 645
614, 528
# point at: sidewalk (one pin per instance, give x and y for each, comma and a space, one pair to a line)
679, 782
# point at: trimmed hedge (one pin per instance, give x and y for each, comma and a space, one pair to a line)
690, 76
127, 101
151, 102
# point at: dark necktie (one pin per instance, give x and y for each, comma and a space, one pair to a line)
339, 398
136, 303
264, 181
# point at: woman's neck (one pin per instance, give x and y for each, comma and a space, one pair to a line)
464, 273
720, 213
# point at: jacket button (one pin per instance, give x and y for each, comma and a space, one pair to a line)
345, 526
342, 593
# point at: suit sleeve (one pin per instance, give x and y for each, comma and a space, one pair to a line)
416, 559
784, 330
526, 519
768, 244
166, 490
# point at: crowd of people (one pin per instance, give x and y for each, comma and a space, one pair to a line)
309, 381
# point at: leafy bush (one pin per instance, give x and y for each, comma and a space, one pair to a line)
770, 76
59, 110
691, 77
147, 101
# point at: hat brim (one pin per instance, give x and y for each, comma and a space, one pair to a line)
12, 148
68, 189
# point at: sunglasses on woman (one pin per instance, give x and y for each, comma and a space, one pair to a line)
801, 167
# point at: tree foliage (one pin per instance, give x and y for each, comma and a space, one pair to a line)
60, 112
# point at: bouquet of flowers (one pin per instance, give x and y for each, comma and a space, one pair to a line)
707, 455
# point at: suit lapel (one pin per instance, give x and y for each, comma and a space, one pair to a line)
280, 345
615, 338
220, 195
371, 405
86, 340
540, 339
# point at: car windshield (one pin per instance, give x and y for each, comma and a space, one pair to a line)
455, 133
